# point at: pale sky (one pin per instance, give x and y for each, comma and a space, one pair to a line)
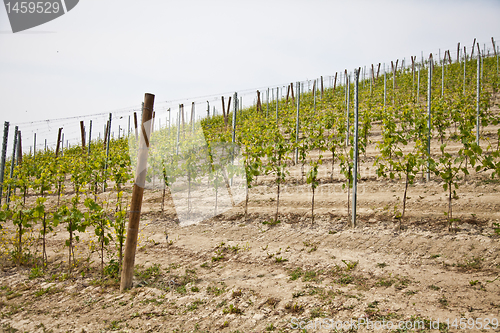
104, 55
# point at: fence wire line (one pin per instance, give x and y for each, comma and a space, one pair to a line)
47, 129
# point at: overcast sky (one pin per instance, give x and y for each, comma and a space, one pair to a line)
104, 55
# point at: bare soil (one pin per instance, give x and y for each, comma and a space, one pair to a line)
229, 274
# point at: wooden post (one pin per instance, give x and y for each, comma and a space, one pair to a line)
321, 87
494, 47
291, 90
12, 164
259, 106
82, 130
137, 194
335, 82
458, 52
135, 125
4, 156
472, 52
58, 141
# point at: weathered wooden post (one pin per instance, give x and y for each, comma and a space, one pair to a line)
135, 125
82, 130
4, 155
12, 164
58, 141
137, 194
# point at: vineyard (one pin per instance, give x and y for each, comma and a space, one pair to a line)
375, 197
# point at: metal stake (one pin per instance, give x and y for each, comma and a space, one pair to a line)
478, 93
355, 155
297, 124
429, 85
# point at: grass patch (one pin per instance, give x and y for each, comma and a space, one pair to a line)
232, 309
271, 222
294, 308
46, 291
215, 290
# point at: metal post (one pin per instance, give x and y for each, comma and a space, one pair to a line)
478, 93
90, 134
193, 116
267, 106
137, 194
128, 131
178, 129
235, 109
12, 164
465, 66
498, 51
348, 89
355, 155
107, 154
385, 88
297, 124
62, 144
314, 94
4, 155
277, 102
429, 85
442, 78
418, 83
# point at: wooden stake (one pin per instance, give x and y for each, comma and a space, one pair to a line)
458, 52
82, 130
135, 125
321, 87
137, 194
335, 82
224, 107
58, 141
494, 47
259, 106
291, 90
378, 70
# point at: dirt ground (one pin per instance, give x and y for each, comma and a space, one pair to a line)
228, 274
